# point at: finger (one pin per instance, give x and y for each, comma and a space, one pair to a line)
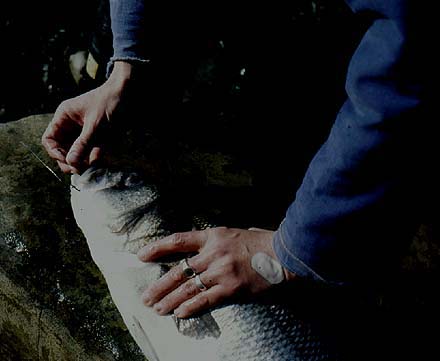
185, 292
170, 281
57, 153
202, 301
256, 229
175, 243
175, 298
55, 138
65, 168
52, 147
95, 155
79, 147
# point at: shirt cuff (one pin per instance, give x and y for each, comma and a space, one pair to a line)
289, 260
128, 59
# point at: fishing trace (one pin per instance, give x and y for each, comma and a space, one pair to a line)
28, 148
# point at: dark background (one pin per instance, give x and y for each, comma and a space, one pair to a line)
264, 81
303, 46
37, 39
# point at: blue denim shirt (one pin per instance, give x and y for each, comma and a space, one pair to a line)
350, 205
127, 22
354, 206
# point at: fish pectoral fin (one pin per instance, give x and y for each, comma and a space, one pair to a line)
198, 327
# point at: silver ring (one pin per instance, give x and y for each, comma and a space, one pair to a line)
187, 271
199, 283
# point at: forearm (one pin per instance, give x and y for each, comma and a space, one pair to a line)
128, 28
121, 75
353, 205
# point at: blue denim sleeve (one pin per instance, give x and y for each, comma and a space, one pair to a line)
346, 211
128, 28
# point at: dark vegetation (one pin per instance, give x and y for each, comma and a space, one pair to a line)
37, 38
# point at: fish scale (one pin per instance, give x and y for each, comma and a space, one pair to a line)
119, 213
249, 334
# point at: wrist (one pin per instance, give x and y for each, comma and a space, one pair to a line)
120, 76
289, 276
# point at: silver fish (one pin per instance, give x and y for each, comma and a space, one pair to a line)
118, 213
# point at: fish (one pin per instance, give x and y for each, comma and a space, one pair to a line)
119, 211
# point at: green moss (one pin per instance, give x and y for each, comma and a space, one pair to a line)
13, 345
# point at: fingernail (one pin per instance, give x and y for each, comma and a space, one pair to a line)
61, 151
147, 302
158, 308
180, 311
142, 253
146, 299
71, 160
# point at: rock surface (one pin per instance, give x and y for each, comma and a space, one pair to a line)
28, 332
54, 304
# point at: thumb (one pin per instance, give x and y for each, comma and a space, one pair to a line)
77, 153
256, 229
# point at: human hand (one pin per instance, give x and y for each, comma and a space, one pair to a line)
223, 263
70, 137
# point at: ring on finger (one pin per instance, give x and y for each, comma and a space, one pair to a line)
187, 270
199, 283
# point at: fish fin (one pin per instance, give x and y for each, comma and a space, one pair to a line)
130, 220
147, 347
198, 327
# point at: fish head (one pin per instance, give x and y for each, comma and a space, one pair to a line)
120, 205
116, 191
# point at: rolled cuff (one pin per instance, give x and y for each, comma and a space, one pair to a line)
128, 59
291, 261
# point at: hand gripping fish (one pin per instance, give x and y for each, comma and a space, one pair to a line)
119, 213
